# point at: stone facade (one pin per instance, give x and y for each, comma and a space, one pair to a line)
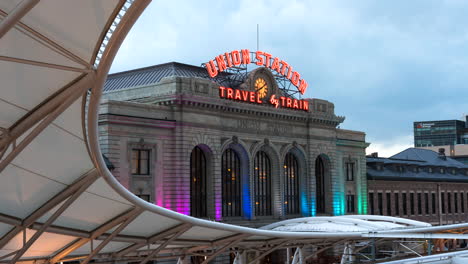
171, 117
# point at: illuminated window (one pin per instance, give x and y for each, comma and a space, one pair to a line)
198, 175
231, 183
350, 171
140, 161
291, 185
262, 184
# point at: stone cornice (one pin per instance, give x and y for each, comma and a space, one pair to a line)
244, 108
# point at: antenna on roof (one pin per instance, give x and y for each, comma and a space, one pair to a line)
258, 37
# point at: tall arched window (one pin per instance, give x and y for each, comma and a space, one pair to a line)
198, 174
320, 184
262, 184
231, 183
291, 185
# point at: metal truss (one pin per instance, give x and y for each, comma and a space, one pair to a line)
36, 120
235, 76
228, 245
69, 194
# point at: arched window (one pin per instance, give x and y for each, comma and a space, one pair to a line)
320, 184
231, 183
198, 183
291, 185
262, 184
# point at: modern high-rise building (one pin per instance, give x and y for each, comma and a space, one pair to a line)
450, 135
440, 133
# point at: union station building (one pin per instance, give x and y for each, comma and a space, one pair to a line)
231, 143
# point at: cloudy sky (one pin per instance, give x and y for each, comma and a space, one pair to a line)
384, 64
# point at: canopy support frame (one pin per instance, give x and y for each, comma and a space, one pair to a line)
15, 15
223, 249
163, 245
31, 219
96, 233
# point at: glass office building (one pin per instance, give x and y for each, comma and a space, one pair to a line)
440, 133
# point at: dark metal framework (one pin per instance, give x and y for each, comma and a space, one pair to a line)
140, 161
231, 183
320, 184
235, 76
198, 175
291, 185
262, 184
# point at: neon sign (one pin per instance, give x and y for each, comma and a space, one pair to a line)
236, 58
254, 97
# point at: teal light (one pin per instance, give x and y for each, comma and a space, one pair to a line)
313, 206
361, 204
339, 203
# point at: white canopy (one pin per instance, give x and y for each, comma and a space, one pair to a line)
57, 199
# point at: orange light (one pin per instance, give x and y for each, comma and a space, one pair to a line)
285, 166
234, 58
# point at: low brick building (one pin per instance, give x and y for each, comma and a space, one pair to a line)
418, 184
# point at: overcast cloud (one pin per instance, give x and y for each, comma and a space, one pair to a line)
384, 64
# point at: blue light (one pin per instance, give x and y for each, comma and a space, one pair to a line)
246, 203
304, 206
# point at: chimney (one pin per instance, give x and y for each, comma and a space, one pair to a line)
374, 154
442, 153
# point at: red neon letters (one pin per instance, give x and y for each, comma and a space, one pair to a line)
253, 97
236, 58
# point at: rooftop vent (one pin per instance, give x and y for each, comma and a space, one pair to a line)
442, 154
